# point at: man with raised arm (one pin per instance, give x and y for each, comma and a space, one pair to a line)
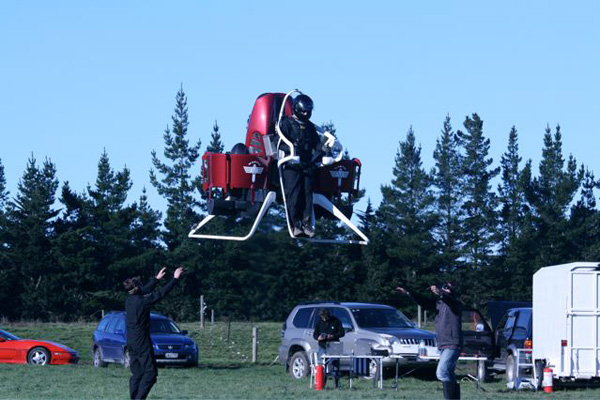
137, 309
448, 329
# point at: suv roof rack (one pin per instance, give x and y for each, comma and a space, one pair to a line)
304, 303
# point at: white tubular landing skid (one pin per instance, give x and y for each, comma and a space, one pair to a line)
263, 210
320, 200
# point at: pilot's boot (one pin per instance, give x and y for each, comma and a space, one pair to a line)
297, 229
307, 228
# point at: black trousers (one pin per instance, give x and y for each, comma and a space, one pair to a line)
143, 373
298, 186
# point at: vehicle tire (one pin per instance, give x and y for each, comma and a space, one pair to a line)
299, 365
511, 371
126, 359
98, 361
38, 356
483, 371
373, 369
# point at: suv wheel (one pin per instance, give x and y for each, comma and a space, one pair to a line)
299, 365
373, 369
98, 362
511, 366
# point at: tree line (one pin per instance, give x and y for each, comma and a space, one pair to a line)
64, 253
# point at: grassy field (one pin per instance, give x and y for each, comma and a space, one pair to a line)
225, 372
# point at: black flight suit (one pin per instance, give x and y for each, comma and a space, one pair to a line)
298, 178
139, 344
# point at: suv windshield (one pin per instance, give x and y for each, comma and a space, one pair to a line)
380, 318
163, 326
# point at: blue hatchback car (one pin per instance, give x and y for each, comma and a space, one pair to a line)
171, 345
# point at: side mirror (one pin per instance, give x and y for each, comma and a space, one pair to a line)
184, 332
348, 328
479, 327
2, 340
119, 332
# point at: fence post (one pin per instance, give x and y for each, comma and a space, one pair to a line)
254, 343
202, 312
212, 317
418, 316
228, 328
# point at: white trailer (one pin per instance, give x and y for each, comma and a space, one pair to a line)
566, 320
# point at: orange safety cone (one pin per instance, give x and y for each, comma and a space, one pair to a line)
547, 382
319, 377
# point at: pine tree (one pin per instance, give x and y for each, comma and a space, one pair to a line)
511, 193
176, 183
146, 226
31, 216
584, 221
7, 279
3, 191
511, 271
449, 196
96, 247
550, 195
215, 146
407, 219
479, 226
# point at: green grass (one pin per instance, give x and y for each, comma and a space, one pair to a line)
225, 372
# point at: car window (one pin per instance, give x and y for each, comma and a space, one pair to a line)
303, 317
510, 322
110, 327
102, 325
8, 336
471, 319
524, 319
163, 326
502, 322
344, 317
380, 318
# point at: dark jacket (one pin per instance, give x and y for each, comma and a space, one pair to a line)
448, 318
303, 136
137, 309
332, 326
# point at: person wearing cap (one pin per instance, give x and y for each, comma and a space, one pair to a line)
139, 344
448, 330
298, 177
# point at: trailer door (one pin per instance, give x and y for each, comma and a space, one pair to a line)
583, 320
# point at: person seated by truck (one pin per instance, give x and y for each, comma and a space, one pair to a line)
328, 329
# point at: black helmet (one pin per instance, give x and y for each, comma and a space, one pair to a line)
303, 106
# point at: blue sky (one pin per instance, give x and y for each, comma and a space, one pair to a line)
80, 77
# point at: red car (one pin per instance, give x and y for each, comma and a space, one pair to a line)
14, 350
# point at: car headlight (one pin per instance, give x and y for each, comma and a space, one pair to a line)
388, 340
189, 346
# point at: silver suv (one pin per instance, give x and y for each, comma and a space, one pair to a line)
370, 329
